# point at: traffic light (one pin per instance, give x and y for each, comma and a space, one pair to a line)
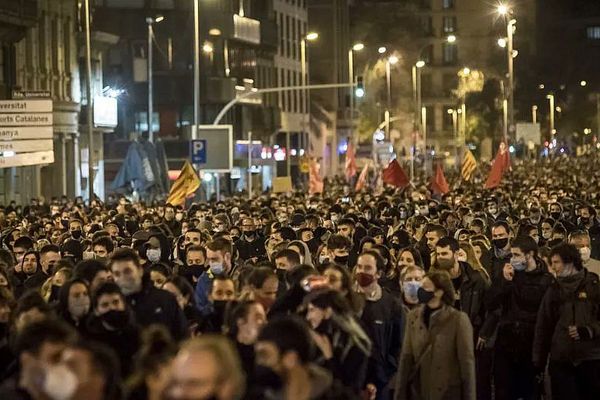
359, 91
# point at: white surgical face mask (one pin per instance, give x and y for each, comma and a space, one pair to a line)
153, 255
586, 253
60, 383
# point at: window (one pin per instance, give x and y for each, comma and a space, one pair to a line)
447, 4
430, 116
448, 121
593, 32
449, 24
427, 24
449, 53
449, 83
426, 85
427, 55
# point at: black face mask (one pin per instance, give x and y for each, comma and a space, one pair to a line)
555, 215
342, 260
192, 273
116, 319
584, 220
76, 234
54, 293
500, 243
281, 273
266, 377
219, 306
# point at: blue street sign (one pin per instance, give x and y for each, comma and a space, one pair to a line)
198, 151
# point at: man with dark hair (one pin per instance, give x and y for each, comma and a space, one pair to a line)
21, 246
219, 256
568, 328
582, 240
103, 247
288, 358
587, 221
339, 248
49, 256
39, 347
250, 245
150, 305
501, 255
285, 260
195, 260
516, 297
382, 319
94, 272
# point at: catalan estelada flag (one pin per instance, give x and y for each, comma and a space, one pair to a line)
186, 184
469, 165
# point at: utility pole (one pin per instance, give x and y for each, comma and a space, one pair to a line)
90, 100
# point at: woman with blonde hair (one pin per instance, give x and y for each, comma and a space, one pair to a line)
467, 254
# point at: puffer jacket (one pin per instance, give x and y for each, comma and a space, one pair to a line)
571, 301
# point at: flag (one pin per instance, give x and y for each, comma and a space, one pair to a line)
501, 164
394, 175
186, 184
439, 185
362, 178
315, 182
469, 165
350, 161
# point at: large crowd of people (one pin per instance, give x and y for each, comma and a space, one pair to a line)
377, 294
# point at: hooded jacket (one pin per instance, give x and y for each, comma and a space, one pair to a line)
571, 301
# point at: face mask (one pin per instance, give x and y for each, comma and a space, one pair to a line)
54, 293
492, 211
60, 382
410, 290
78, 308
153, 255
403, 214
129, 285
342, 260
462, 258
266, 377
424, 296
584, 220
219, 306
364, 279
555, 215
282, 220
116, 319
323, 259
191, 270
547, 235
567, 271
586, 253
88, 255
500, 243
217, 268
335, 218
445, 263
518, 265
76, 234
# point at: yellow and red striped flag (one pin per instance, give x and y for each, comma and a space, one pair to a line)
186, 184
469, 165
362, 178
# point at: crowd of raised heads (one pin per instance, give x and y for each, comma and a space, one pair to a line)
378, 294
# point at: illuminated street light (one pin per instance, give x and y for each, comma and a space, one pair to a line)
207, 47
381, 50
358, 47
420, 64
451, 39
312, 36
393, 60
502, 9
583, 83
502, 42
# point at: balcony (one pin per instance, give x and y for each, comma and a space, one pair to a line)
15, 17
246, 29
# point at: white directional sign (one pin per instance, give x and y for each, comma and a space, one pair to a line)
26, 131
26, 146
26, 106
28, 119
22, 159
16, 133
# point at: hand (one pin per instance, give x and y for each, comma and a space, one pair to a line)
573, 333
509, 272
481, 342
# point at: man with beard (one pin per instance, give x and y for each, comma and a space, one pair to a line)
250, 245
195, 259
501, 255
587, 221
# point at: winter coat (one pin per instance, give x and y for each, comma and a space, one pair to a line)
472, 292
447, 367
157, 306
517, 303
571, 301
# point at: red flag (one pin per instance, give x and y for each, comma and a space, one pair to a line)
501, 164
394, 175
362, 178
439, 185
350, 161
315, 182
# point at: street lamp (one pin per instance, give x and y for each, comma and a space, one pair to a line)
534, 109
550, 98
416, 80
356, 47
388, 74
451, 39
310, 37
583, 83
504, 11
150, 22
502, 42
381, 50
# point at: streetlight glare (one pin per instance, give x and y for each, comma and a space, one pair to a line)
450, 111
160, 18
312, 36
358, 47
451, 38
360, 92
502, 42
381, 50
502, 9
466, 71
583, 83
420, 64
207, 47
393, 60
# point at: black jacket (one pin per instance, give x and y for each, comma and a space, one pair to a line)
472, 292
156, 306
382, 321
253, 249
517, 303
497, 264
572, 301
